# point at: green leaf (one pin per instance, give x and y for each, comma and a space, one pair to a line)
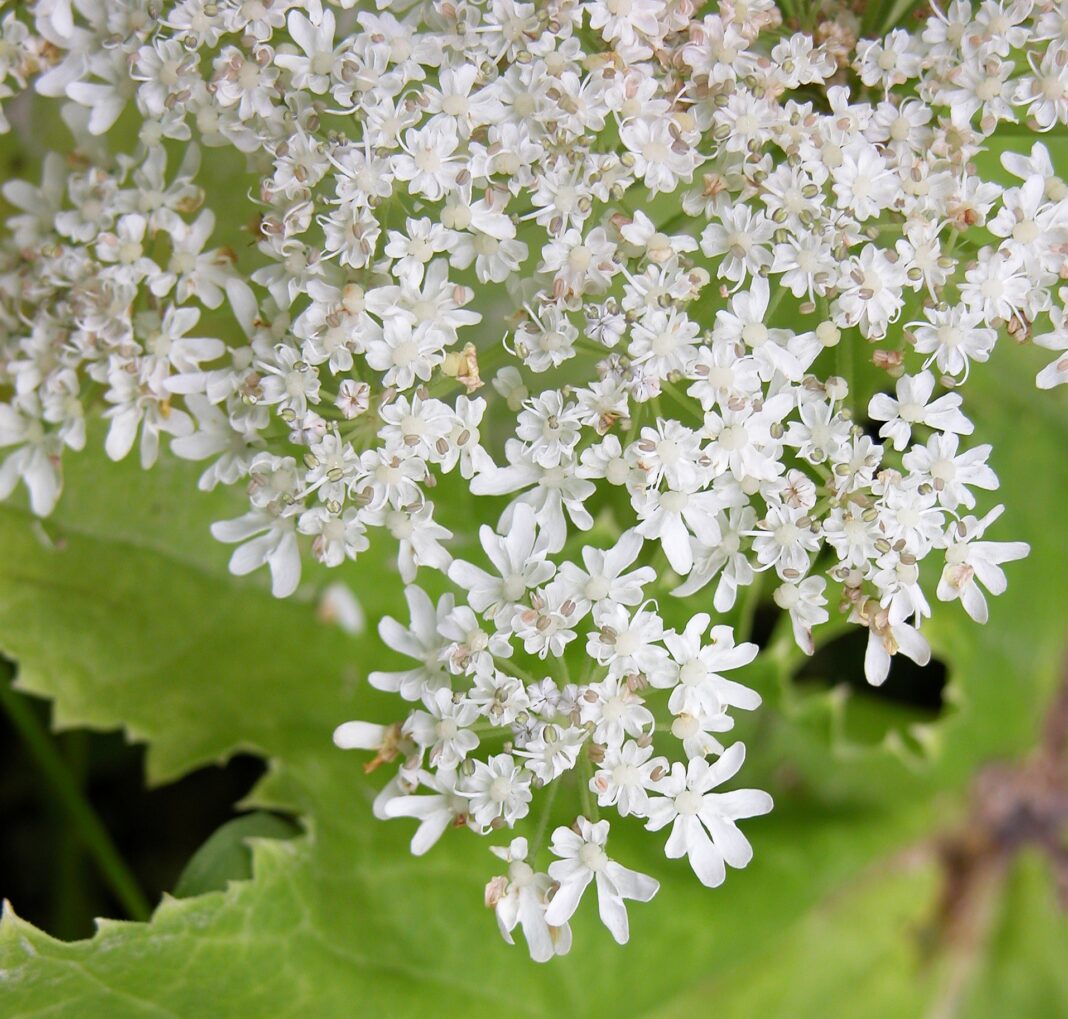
121, 611
227, 856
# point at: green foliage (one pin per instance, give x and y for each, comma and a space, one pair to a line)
227, 855
121, 611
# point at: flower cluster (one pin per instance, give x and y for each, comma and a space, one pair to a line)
665, 235
473, 693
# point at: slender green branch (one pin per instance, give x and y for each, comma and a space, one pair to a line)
543, 821
92, 833
589, 804
896, 15
750, 601
844, 358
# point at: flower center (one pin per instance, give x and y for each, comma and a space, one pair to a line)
593, 856
688, 802
674, 502
693, 673
755, 334
597, 588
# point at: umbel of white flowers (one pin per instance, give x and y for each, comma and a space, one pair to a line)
601, 206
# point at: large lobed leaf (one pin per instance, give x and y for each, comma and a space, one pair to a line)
121, 611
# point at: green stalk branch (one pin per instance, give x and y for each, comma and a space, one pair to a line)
94, 835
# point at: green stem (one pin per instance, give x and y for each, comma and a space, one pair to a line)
70, 903
844, 367
589, 805
897, 14
515, 670
750, 601
543, 821
93, 834
684, 402
669, 224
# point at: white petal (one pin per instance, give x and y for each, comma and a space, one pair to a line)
359, 736
613, 914
566, 900
705, 860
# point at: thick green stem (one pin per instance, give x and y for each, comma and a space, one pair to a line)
92, 833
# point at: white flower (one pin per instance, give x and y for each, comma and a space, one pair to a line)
773, 349
785, 540
627, 643
582, 860
703, 822
661, 156
615, 711
625, 775
314, 68
886, 639
914, 406
556, 491
742, 238
953, 337
726, 558
672, 516
951, 473
550, 427
971, 562
498, 789
804, 601
266, 538
412, 252
442, 809
404, 354
553, 751
519, 900
421, 642
863, 182
996, 288
697, 686
1056, 372
604, 581
35, 463
427, 163
520, 559
871, 288
444, 729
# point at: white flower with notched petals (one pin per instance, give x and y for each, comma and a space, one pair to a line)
625, 775
583, 860
444, 731
697, 686
913, 406
498, 789
1056, 372
604, 581
970, 561
313, 68
519, 558
703, 822
420, 641
437, 811
519, 899
953, 338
